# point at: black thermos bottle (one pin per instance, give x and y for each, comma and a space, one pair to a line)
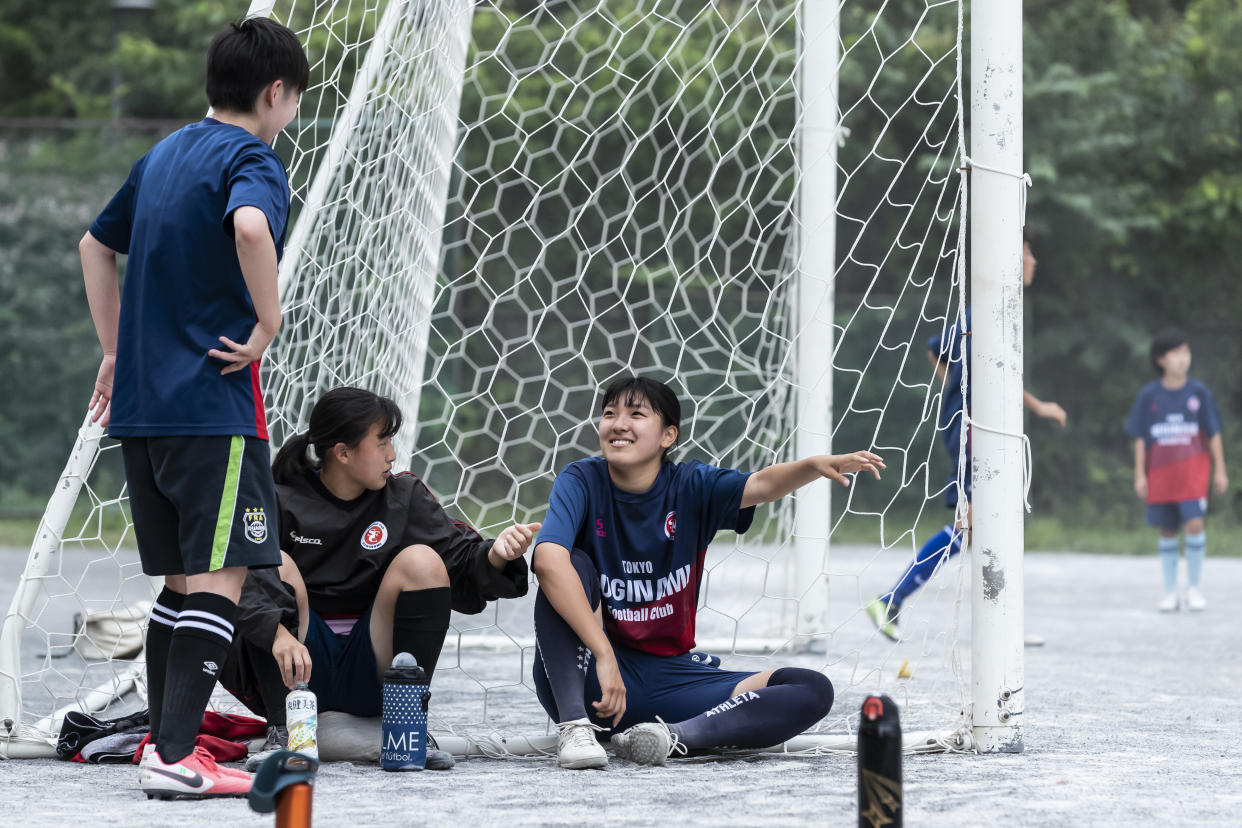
879, 764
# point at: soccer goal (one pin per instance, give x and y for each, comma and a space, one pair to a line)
501, 206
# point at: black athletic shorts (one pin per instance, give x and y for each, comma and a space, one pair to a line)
201, 503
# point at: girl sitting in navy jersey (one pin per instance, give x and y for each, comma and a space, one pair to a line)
623, 541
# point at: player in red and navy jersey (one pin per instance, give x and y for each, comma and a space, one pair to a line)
619, 561
202, 217
371, 566
1176, 431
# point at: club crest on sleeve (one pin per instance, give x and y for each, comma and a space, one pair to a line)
256, 525
1193, 404
670, 525
375, 536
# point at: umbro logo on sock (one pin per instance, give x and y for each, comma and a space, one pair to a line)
210, 668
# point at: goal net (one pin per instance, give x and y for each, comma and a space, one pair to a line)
500, 207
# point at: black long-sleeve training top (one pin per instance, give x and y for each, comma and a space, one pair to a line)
342, 549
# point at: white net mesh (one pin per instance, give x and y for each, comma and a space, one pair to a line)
501, 207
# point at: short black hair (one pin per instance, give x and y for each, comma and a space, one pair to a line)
1163, 342
662, 399
246, 56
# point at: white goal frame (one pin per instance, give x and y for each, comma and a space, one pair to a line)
997, 189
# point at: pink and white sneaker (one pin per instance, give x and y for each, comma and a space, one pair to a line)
148, 750
196, 776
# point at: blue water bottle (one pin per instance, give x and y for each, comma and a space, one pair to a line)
404, 733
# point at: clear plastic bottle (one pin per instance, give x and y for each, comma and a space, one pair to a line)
302, 719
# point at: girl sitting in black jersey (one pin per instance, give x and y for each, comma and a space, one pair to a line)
371, 566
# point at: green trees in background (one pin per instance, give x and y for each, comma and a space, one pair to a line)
1132, 137
57, 60
57, 57
1132, 131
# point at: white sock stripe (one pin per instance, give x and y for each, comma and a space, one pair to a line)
200, 626
209, 617
159, 619
163, 612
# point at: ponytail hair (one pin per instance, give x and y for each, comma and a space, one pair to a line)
343, 415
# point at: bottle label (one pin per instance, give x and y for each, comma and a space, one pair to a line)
399, 744
403, 744
302, 735
302, 719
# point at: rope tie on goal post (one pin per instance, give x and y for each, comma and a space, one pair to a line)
1024, 178
1026, 456
969, 164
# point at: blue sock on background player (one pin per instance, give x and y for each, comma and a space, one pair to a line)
794, 700
1196, 550
1168, 561
564, 658
944, 544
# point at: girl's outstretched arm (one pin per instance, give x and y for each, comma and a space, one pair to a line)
778, 480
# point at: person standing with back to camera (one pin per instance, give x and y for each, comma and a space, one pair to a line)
202, 217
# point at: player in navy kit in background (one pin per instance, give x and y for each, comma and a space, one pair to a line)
945, 352
1176, 431
619, 561
202, 217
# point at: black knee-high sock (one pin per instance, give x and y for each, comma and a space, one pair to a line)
200, 644
419, 623
794, 700
566, 660
164, 614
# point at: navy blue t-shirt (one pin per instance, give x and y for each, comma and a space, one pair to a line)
648, 546
183, 284
947, 349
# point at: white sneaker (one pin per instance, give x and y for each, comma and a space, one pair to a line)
1170, 603
1194, 600
649, 743
576, 746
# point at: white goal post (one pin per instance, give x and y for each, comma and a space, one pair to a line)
501, 206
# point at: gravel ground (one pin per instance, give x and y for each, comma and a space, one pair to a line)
1127, 723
